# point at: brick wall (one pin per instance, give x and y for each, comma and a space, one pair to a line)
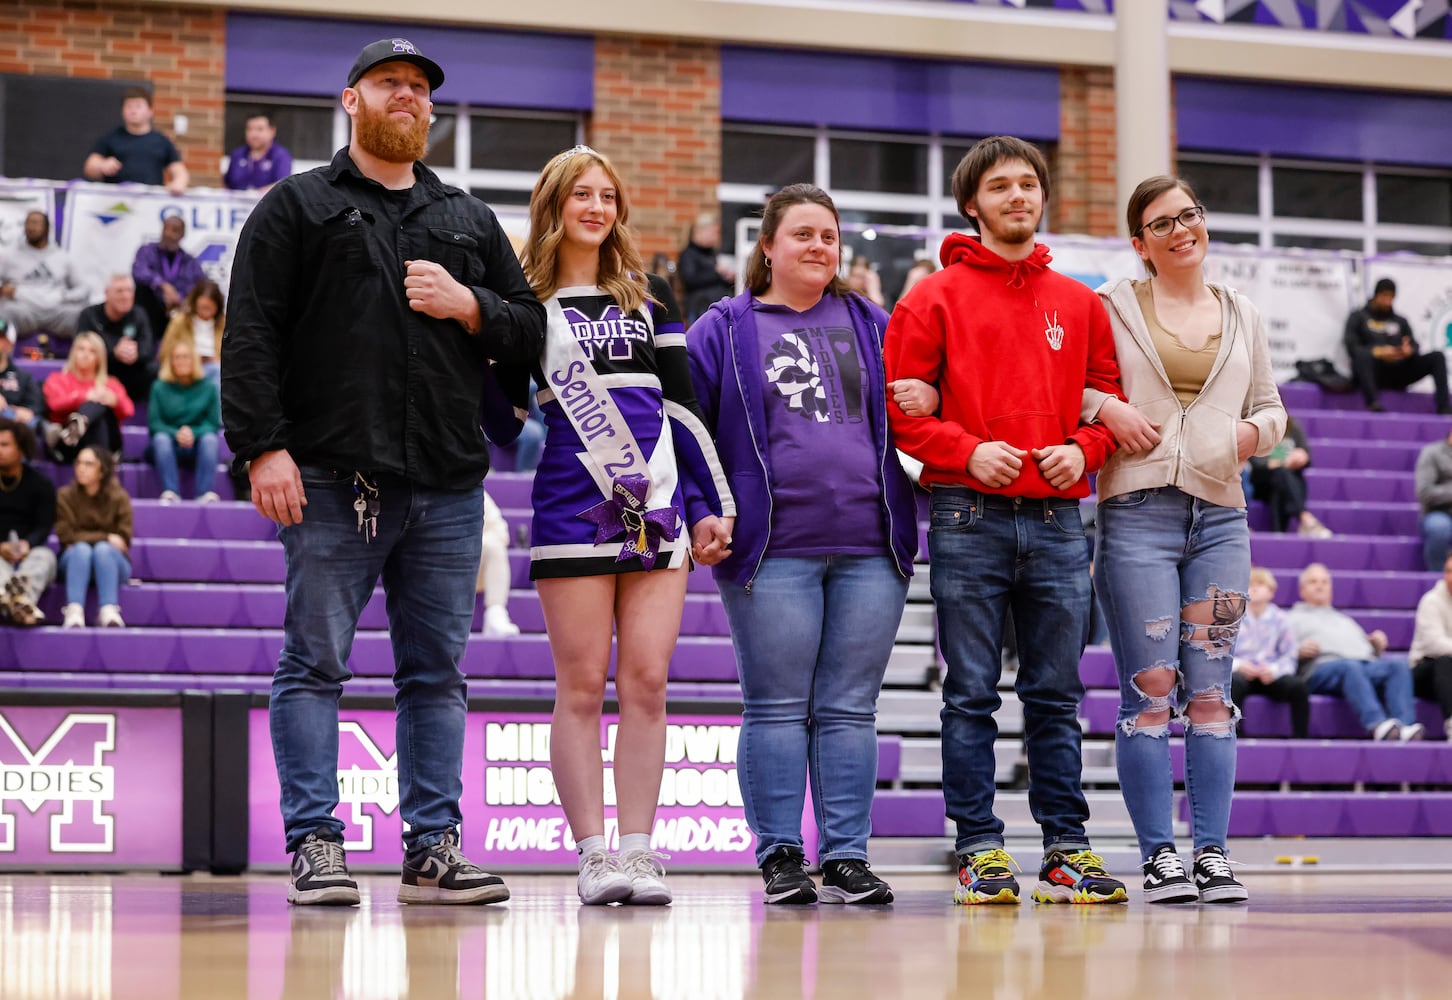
658, 117
1084, 196
181, 50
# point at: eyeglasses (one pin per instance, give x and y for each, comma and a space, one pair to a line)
1190, 218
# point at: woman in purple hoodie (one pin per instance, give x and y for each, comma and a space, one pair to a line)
789, 376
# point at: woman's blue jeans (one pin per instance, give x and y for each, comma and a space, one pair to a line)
167, 455
1172, 573
101, 560
812, 638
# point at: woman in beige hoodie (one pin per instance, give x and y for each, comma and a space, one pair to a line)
1173, 553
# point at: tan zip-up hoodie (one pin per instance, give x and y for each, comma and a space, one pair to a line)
1196, 452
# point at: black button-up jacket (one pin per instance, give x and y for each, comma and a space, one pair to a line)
321, 353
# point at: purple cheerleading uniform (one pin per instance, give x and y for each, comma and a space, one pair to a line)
641, 362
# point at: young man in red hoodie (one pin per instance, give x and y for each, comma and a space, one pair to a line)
1011, 345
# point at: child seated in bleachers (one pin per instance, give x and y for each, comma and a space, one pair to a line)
93, 522
184, 417
1265, 656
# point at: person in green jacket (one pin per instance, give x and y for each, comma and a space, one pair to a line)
184, 415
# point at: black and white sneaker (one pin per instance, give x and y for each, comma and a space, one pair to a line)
786, 878
852, 881
1165, 880
320, 874
1217, 884
441, 874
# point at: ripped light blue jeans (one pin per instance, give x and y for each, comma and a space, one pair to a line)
1172, 573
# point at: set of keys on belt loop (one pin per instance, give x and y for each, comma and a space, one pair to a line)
366, 505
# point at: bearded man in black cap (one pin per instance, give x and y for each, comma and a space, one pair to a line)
369, 305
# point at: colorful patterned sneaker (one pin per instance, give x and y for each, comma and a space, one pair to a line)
1165, 880
985, 877
647, 878
1077, 877
851, 881
1217, 884
320, 874
601, 881
441, 874
786, 878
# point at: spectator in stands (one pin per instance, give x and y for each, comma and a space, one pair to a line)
1384, 353
1431, 655
495, 574
1338, 657
923, 265
1007, 460
126, 333
1279, 479
40, 286
135, 152
261, 161
1265, 656
329, 343
1434, 496
704, 276
608, 545
823, 546
88, 404
27, 512
93, 523
863, 279
20, 397
200, 322
184, 416
165, 273
1174, 545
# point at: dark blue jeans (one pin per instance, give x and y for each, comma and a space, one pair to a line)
993, 554
427, 551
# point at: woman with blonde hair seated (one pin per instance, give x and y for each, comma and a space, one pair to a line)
200, 320
87, 403
184, 416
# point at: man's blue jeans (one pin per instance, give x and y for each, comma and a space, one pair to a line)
1377, 689
812, 640
167, 455
427, 551
1167, 559
990, 555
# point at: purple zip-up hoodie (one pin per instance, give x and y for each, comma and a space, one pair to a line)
727, 376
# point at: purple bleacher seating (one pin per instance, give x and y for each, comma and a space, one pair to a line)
1368, 487
1339, 553
1301, 396
136, 436
1096, 668
889, 757
1324, 762
915, 813
1389, 456
1346, 517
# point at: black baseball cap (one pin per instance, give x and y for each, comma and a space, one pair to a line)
394, 50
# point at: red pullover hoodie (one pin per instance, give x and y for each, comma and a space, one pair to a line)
1011, 346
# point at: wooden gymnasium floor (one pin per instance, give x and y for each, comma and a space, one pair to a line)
1323, 936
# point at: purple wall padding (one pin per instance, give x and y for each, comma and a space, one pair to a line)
1234, 116
311, 56
849, 90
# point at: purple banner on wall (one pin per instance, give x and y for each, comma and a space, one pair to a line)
854, 90
90, 787
512, 818
276, 54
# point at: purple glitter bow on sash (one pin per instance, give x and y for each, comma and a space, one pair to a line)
625, 514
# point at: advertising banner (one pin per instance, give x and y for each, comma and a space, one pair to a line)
105, 224
511, 811
90, 788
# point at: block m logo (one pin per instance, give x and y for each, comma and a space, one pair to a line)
366, 777
68, 769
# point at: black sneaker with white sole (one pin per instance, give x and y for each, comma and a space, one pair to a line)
320, 874
850, 880
786, 878
441, 874
1214, 879
1165, 880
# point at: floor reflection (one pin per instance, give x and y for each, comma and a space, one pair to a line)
143, 936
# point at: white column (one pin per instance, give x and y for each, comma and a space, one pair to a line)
1141, 95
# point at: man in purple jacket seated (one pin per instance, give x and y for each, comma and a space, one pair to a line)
164, 272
